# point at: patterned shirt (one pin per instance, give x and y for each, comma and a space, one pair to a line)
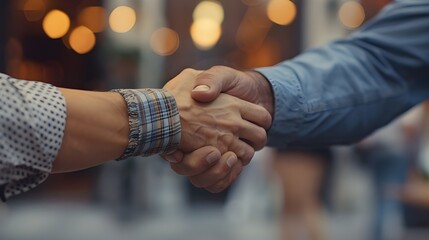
33, 118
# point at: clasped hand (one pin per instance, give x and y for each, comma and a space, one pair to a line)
219, 137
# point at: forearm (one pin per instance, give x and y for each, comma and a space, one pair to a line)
44, 129
96, 130
341, 92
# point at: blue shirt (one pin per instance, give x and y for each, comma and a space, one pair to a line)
341, 92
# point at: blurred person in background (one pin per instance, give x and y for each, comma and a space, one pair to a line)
387, 155
303, 175
415, 192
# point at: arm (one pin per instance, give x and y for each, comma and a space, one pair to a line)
343, 91
44, 129
96, 130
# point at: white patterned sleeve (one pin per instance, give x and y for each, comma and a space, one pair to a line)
32, 123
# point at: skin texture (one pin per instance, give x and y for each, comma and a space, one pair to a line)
249, 86
207, 87
218, 137
96, 130
229, 126
227, 123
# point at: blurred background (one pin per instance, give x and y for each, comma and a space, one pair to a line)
378, 189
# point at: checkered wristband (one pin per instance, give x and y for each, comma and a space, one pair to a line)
154, 122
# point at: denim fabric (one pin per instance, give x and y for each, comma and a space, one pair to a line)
341, 92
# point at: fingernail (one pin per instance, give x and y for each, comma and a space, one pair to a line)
231, 161
170, 158
201, 88
213, 157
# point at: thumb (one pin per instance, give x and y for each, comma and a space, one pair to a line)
210, 83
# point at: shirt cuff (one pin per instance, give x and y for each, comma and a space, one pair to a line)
288, 105
154, 122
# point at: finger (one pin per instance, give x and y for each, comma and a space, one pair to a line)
197, 161
217, 172
255, 114
243, 151
227, 181
254, 135
210, 83
174, 157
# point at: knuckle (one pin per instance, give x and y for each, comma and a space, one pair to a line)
267, 120
204, 75
177, 168
190, 71
219, 187
235, 127
247, 157
261, 138
218, 68
197, 182
221, 171
193, 166
214, 189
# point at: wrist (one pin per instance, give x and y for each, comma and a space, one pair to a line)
264, 91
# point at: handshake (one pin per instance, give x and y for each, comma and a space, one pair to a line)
224, 115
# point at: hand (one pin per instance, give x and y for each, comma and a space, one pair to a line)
250, 86
228, 123
214, 176
201, 166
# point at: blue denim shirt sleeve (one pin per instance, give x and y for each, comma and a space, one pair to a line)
341, 92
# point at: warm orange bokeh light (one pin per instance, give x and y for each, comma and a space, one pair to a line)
164, 41
282, 12
122, 19
205, 33
56, 24
209, 10
82, 40
93, 18
351, 14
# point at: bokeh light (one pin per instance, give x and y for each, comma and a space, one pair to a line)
164, 41
82, 40
93, 18
56, 24
351, 14
206, 29
209, 10
34, 10
282, 12
122, 19
205, 33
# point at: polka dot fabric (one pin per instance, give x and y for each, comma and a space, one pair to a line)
32, 123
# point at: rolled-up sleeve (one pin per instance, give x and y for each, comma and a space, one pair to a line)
154, 122
32, 123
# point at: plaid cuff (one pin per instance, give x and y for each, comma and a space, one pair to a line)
154, 122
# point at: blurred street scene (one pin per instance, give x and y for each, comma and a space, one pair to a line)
376, 190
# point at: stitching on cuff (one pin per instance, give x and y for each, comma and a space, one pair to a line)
154, 122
